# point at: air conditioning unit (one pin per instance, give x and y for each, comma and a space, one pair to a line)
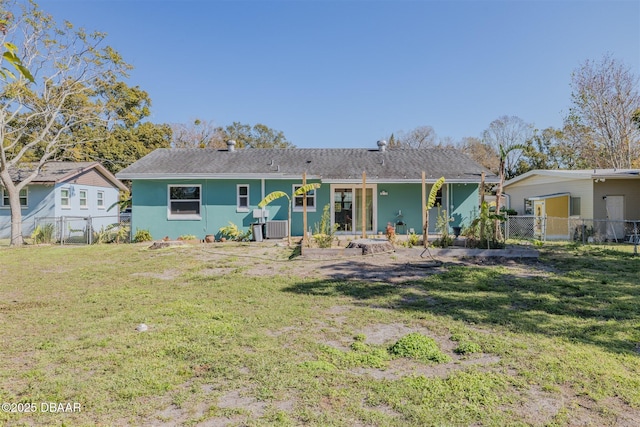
276, 229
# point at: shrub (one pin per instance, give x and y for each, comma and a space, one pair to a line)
413, 240
420, 347
43, 234
113, 233
232, 232
390, 232
324, 233
142, 236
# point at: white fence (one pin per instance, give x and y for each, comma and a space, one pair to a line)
572, 229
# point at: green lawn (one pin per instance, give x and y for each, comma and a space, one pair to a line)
229, 343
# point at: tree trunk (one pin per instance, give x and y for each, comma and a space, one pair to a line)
16, 210
497, 235
425, 231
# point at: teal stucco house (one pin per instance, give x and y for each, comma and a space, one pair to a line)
197, 191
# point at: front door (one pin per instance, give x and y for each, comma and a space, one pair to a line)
615, 217
347, 209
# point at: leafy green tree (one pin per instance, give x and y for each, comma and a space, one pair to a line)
124, 138
256, 136
38, 120
10, 53
204, 134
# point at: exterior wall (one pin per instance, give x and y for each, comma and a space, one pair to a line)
629, 188
543, 185
464, 201
150, 210
400, 197
101, 216
40, 203
278, 209
150, 207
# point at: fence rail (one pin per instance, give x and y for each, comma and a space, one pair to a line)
572, 229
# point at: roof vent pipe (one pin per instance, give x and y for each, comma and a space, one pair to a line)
382, 145
231, 145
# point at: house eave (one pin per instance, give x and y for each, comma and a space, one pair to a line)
285, 176
181, 176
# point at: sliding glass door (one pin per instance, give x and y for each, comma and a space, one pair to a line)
347, 209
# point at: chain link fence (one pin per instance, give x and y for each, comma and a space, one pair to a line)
87, 230
572, 229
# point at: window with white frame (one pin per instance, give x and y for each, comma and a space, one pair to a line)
528, 207
84, 203
242, 204
64, 198
100, 199
24, 202
184, 202
298, 200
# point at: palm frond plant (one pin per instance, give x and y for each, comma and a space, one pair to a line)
431, 202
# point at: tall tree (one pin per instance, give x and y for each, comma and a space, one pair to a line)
128, 138
420, 137
38, 120
204, 134
605, 97
503, 134
544, 150
256, 136
198, 134
482, 153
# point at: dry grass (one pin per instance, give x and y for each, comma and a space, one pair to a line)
241, 335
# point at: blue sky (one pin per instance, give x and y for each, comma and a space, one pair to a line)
348, 73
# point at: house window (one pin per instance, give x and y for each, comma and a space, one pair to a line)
574, 208
528, 207
184, 202
242, 204
83, 199
100, 199
23, 198
64, 198
298, 200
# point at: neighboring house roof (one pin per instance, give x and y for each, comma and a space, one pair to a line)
56, 172
579, 174
328, 164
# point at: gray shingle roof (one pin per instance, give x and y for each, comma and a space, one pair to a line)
330, 164
53, 172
